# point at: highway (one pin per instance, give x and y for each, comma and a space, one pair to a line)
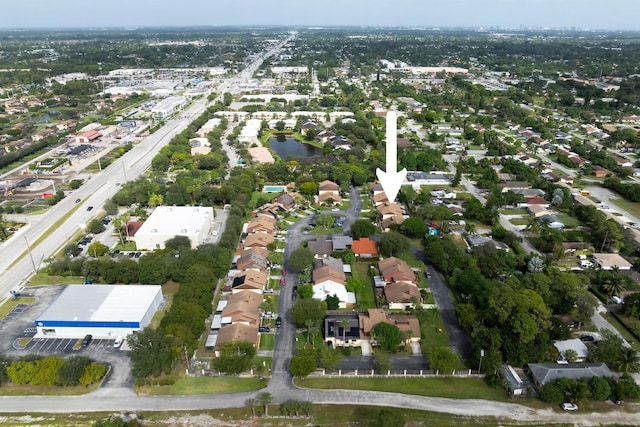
17, 265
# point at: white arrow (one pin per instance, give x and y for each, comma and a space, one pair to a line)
391, 180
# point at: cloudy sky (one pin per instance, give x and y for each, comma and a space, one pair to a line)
586, 14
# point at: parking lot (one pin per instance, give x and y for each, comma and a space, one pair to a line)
15, 313
65, 345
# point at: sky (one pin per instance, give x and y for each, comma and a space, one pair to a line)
585, 14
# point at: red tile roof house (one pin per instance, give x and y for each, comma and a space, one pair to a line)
364, 248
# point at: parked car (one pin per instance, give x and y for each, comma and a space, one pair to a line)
567, 406
86, 340
278, 322
264, 329
118, 342
587, 338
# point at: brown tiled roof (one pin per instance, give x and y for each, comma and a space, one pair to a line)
328, 186
252, 278
259, 240
401, 292
375, 316
321, 247
238, 332
396, 270
325, 273
261, 223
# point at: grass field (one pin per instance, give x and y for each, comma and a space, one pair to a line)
631, 207
432, 328
267, 341
568, 220
366, 298
455, 388
168, 290
37, 390
11, 304
41, 279
519, 221
204, 385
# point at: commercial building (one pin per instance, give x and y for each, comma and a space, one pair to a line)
166, 108
166, 222
101, 310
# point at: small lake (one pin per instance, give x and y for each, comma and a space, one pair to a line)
286, 146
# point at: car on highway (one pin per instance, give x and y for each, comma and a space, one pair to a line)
77, 200
278, 322
89, 208
568, 406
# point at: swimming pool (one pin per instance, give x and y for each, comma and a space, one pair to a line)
273, 188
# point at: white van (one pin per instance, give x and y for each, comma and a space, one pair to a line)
616, 299
118, 342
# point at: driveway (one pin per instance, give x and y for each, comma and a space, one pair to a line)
458, 338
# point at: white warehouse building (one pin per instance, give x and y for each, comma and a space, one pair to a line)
166, 108
104, 311
166, 222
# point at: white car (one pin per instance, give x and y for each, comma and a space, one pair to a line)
567, 406
118, 342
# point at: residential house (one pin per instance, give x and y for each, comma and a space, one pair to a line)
341, 243
401, 295
329, 191
258, 240
308, 125
611, 261
321, 248
573, 344
253, 259
515, 185
474, 240
329, 279
342, 329
243, 307
286, 201
538, 210
261, 224
396, 270
364, 247
391, 213
408, 324
600, 172
237, 332
544, 373
552, 221
249, 280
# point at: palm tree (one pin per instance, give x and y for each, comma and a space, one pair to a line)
533, 225
306, 407
628, 361
265, 399
345, 325
470, 228
309, 324
251, 404
613, 287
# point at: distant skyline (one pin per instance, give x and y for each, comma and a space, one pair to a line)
584, 14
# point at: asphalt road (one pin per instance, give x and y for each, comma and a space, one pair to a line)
458, 338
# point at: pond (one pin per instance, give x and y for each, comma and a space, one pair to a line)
286, 146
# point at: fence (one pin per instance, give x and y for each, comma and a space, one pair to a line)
409, 373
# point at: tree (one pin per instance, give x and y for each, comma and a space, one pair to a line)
235, 357
443, 359
393, 243
308, 309
535, 264
381, 362
251, 403
329, 358
600, 388
627, 361
110, 207
325, 220
332, 301
362, 228
387, 336
345, 324
586, 305
608, 349
301, 259
276, 258
70, 373
613, 286
178, 243
414, 227
305, 291
265, 399
571, 356
95, 226
151, 352
92, 374
97, 249
388, 418
301, 365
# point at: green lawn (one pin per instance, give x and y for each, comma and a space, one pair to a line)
204, 385
168, 290
432, 328
514, 212
267, 341
631, 207
411, 259
456, 388
128, 246
568, 220
324, 230
366, 298
11, 304
519, 221
41, 279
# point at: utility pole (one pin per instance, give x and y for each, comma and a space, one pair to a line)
33, 264
480, 364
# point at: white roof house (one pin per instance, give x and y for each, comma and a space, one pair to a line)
609, 261
574, 344
329, 287
166, 222
101, 310
168, 107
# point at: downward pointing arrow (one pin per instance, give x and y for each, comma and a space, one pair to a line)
391, 180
